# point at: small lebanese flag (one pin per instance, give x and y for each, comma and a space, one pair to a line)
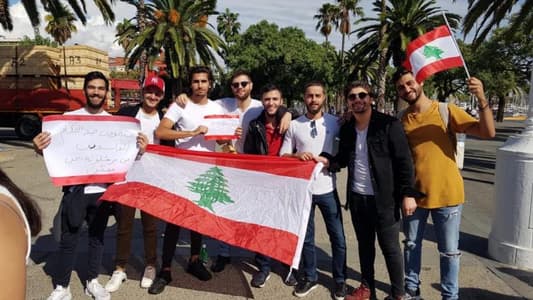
432, 52
260, 203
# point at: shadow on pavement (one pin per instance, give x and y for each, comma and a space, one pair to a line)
523, 275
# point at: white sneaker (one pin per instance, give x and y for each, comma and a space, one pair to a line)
116, 280
96, 290
148, 277
60, 293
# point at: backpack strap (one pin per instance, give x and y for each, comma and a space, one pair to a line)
444, 112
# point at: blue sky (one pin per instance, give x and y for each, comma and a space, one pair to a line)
298, 13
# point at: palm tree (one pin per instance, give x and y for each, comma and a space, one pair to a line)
79, 8
228, 26
491, 13
179, 28
327, 18
347, 7
60, 24
392, 30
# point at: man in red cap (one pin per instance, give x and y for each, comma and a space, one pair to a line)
148, 114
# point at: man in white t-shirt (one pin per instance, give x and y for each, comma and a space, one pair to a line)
80, 203
313, 136
187, 127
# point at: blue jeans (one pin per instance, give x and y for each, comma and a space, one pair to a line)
446, 221
330, 208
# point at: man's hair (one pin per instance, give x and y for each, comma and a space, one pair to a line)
315, 83
238, 73
359, 83
200, 69
270, 87
399, 73
95, 75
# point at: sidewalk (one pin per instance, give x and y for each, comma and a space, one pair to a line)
480, 277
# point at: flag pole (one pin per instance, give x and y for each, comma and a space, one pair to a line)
456, 45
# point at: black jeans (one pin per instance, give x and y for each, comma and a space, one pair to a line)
96, 214
172, 233
366, 225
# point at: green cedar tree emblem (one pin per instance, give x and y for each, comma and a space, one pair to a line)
431, 51
212, 187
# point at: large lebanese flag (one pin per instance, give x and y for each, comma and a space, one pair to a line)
432, 52
260, 203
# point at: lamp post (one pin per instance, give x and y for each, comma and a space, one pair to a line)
511, 236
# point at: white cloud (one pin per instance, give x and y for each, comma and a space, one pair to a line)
284, 13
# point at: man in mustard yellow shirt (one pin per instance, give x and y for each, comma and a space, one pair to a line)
437, 176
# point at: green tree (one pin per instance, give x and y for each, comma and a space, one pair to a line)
283, 56
228, 26
38, 40
179, 28
347, 7
327, 18
60, 24
212, 187
492, 13
394, 27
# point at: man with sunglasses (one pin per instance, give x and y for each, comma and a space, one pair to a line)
437, 176
380, 181
314, 135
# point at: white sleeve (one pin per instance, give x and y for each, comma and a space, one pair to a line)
174, 112
287, 146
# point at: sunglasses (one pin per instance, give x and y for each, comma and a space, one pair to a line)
361, 96
314, 131
243, 84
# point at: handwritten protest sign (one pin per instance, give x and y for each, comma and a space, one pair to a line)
90, 149
221, 127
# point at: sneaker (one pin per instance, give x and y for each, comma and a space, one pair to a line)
116, 280
198, 270
148, 277
60, 293
291, 280
305, 287
360, 293
412, 295
160, 282
95, 290
220, 264
340, 291
259, 279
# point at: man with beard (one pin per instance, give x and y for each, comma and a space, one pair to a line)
80, 202
186, 127
264, 138
437, 176
380, 181
313, 135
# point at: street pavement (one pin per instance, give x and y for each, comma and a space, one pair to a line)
480, 278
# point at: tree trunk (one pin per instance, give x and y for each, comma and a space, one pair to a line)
501, 108
142, 26
382, 68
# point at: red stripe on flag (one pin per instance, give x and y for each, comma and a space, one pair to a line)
440, 65
104, 178
89, 118
275, 243
220, 137
283, 166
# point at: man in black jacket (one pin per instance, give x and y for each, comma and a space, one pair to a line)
263, 137
380, 182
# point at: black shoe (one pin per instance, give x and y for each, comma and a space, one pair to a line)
162, 280
412, 295
340, 291
198, 270
259, 279
220, 264
305, 287
291, 281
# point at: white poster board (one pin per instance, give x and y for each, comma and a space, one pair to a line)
221, 127
90, 149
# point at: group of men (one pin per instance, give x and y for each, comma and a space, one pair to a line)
398, 170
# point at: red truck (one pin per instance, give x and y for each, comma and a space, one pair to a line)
36, 81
